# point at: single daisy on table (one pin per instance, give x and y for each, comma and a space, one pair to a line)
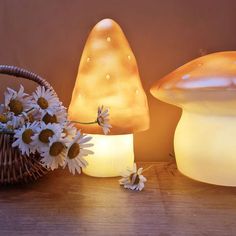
133, 179
44, 132
24, 140
76, 150
44, 100
17, 102
103, 119
54, 154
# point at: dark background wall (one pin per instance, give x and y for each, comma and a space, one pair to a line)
47, 37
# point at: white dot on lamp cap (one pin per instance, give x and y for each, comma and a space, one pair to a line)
187, 76
108, 39
108, 76
88, 59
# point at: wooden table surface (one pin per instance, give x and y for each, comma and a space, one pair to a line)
171, 204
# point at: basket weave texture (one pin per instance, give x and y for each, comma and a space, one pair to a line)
15, 167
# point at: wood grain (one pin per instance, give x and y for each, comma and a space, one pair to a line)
171, 204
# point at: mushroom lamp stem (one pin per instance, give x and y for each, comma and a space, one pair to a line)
112, 155
205, 148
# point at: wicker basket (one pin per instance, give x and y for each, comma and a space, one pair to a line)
15, 167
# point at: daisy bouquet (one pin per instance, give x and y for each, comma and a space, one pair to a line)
39, 123
41, 136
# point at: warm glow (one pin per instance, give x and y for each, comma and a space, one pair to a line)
113, 154
204, 142
205, 148
108, 75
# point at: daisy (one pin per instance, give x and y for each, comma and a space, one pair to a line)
59, 115
54, 154
44, 132
32, 115
69, 130
10, 122
15, 122
3, 118
76, 150
17, 102
133, 179
44, 100
23, 138
103, 120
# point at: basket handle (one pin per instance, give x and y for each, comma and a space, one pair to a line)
19, 72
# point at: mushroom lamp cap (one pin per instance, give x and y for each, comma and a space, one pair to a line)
208, 79
108, 75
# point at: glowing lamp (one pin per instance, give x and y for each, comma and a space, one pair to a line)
108, 75
205, 137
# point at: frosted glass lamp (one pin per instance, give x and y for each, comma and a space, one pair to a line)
108, 75
205, 137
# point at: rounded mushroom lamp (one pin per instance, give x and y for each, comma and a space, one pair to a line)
108, 75
205, 137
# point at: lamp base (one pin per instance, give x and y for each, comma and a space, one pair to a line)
205, 148
113, 154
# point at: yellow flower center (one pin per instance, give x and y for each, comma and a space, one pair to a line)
10, 127
136, 180
49, 119
31, 118
65, 132
45, 135
74, 151
16, 106
3, 118
56, 148
26, 136
42, 102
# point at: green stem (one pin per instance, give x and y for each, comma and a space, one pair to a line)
85, 123
29, 110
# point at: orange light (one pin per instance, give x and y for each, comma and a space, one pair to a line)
108, 75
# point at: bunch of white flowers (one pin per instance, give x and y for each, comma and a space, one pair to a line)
40, 124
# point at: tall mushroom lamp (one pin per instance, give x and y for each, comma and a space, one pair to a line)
205, 137
108, 75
